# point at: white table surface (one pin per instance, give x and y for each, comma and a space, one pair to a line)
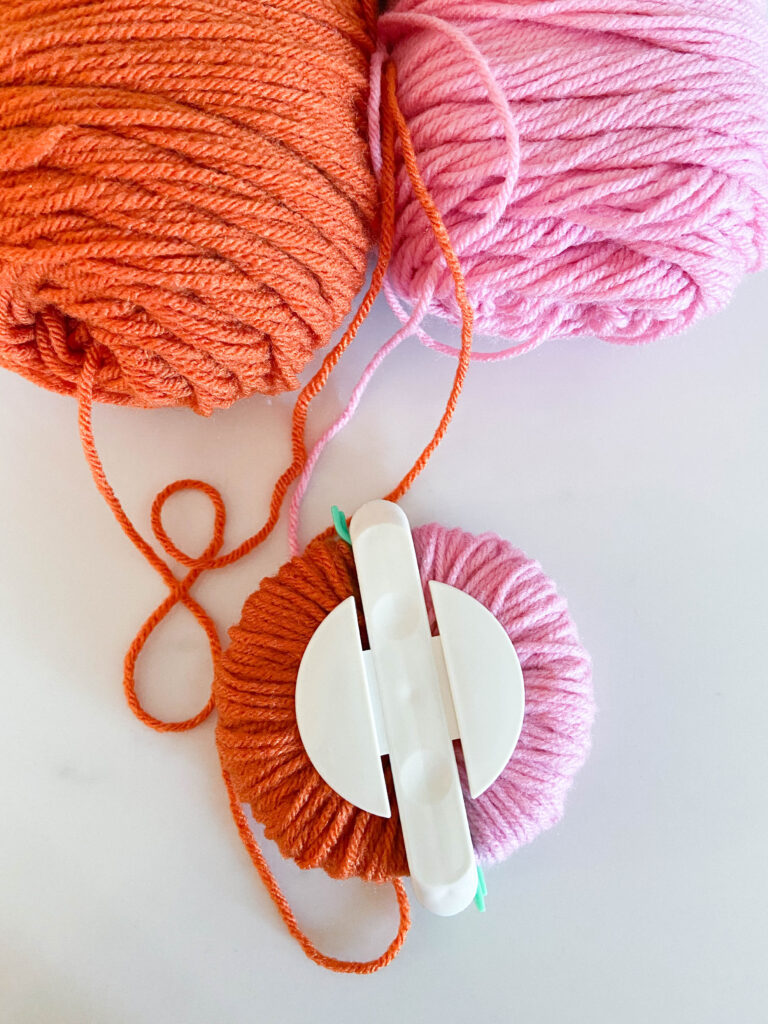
638, 477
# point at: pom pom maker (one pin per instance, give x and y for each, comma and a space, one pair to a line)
410, 696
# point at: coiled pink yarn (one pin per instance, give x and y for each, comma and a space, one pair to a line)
529, 795
602, 167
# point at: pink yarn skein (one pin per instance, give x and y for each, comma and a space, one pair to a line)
529, 795
602, 167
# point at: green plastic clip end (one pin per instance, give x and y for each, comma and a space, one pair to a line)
482, 890
340, 523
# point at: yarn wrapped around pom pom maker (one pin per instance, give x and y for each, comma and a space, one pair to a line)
294, 748
409, 696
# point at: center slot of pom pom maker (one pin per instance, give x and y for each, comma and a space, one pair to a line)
410, 696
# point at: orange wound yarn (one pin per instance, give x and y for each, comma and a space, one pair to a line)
184, 188
263, 760
257, 735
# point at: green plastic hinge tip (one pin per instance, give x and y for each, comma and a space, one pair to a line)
340, 522
482, 890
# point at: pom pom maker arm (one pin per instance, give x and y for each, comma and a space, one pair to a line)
410, 696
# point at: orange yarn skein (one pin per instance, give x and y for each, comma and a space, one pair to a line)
185, 187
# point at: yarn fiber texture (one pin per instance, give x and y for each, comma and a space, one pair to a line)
258, 738
184, 184
641, 132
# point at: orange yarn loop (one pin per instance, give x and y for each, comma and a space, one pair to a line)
394, 132
184, 187
393, 128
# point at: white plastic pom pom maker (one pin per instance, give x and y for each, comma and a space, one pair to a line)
410, 696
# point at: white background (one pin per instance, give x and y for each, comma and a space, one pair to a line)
638, 477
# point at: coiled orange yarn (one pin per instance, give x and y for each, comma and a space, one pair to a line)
264, 763
184, 187
258, 737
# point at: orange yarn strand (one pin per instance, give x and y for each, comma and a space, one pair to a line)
444, 241
179, 588
278, 898
394, 128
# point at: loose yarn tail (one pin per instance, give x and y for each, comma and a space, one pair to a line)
412, 320
393, 130
278, 898
210, 559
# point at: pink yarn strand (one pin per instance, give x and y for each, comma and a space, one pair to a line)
602, 169
302, 484
461, 238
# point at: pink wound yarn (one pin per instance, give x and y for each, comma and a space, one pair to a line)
641, 130
529, 795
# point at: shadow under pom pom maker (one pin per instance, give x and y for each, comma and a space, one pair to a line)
188, 198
